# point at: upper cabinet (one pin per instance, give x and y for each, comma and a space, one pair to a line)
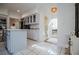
31, 19
34, 18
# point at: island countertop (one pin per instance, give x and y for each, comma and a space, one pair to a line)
16, 29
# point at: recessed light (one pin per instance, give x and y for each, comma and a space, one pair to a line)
18, 10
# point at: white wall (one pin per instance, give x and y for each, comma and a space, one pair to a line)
14, 15
30, 12
66, 22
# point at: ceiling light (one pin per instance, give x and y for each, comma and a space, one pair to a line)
18, 10
54, 9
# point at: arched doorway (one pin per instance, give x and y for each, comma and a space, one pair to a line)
52, 31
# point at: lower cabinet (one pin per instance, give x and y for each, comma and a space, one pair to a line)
33, 34
16, 41
36, 34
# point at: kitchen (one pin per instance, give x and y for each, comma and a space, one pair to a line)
35, 29
23, 24
15, 28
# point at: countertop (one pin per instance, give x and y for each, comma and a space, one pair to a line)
16, 29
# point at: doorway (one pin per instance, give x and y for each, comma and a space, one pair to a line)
52, 31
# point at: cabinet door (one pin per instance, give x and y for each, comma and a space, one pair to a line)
28, 33
30, 19
34, 18
31, 34
35, 34
26, 20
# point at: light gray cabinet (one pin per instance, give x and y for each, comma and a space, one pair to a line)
16, 40
33, 34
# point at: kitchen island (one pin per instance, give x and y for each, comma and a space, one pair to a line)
16, 40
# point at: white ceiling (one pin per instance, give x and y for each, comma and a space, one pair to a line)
23, 7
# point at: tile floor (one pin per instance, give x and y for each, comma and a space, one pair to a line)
35, 48
3, 51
